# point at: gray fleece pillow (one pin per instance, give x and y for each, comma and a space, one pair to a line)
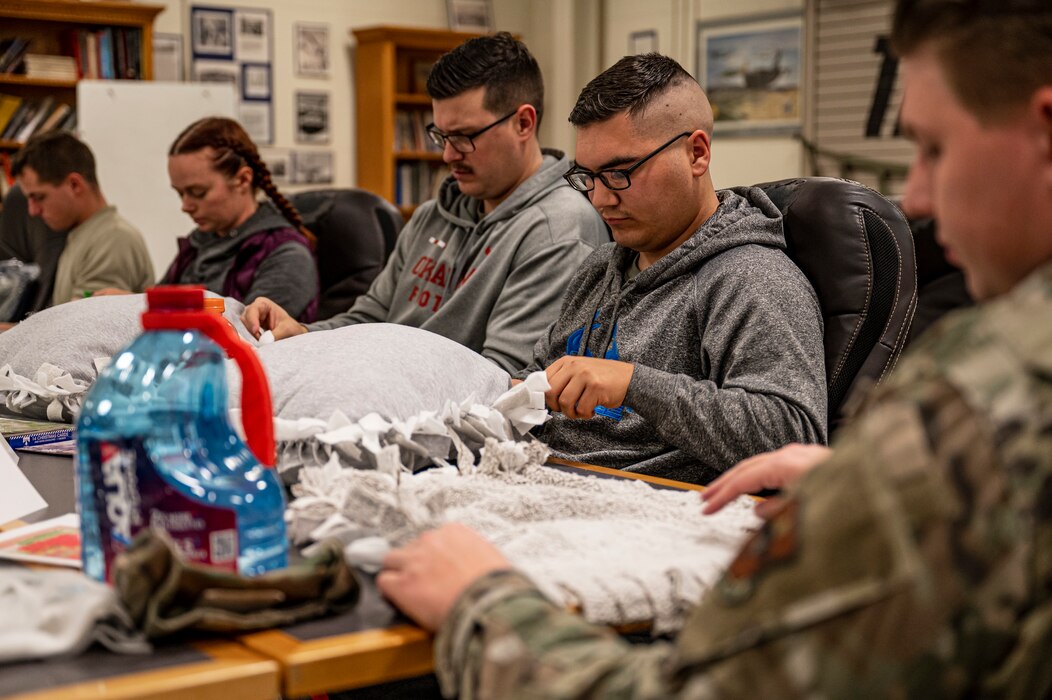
70, 338
396, 371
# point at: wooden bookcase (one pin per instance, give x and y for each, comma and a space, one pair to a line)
390, 79
44, 21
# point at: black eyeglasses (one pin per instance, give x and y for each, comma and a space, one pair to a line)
462, 143
615, 178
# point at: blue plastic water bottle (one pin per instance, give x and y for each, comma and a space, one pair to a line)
155, 447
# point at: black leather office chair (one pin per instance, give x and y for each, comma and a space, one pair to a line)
356, 233
857, 250
940, 284
29, 239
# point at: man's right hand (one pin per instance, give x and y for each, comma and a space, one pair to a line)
265, 315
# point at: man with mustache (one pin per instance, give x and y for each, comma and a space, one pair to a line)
487, 262
913, 559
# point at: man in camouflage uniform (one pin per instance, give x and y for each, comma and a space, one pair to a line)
915, 559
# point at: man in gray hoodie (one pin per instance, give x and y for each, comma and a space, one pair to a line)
485, 264
692, 342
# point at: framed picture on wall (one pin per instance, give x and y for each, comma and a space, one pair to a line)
255, 81
312, 117
253, 35
470, 15
752, 71
312, 50
168, 57
212, 32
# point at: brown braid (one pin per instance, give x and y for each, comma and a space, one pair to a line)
233, 149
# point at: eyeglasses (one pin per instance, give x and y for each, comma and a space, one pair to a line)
462, 143
615, 178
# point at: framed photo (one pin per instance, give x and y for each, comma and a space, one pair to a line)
642, 42
255, 81
312, 50
255, 118
312, 117
208, 71
752, 71
312, 167
212, 32
168, 57
252, 35
470, 15
421, 69
279, 163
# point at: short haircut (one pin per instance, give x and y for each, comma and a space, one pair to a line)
995, 53
630, 85
498, 62
53, 156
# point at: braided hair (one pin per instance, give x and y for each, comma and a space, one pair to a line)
234, 149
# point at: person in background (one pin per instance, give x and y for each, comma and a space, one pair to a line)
912, 560
56, 173
692, 341
241, 248
487, 262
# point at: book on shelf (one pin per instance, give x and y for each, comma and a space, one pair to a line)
9, 104
22, 432
40, 113
11, 52
48, 66
417, 182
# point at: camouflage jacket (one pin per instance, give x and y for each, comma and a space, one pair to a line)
915, 562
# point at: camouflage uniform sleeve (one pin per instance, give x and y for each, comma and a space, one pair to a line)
903, 566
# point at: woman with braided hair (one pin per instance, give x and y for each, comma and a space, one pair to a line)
242, 247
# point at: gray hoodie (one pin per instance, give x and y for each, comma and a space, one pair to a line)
288, 274
493, 282
725, 333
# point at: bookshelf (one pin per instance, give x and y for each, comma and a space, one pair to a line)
48, 24
395, 159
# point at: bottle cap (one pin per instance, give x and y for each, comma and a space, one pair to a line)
176, 297
215, 304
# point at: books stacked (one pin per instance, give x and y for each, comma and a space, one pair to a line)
51, 67
21, 118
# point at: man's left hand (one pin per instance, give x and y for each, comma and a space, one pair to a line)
579, 384
425, 577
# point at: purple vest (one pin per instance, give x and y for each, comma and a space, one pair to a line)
250, 255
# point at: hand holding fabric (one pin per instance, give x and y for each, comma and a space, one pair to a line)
266, 315
579, 384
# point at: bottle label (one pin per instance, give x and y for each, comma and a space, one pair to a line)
131, 495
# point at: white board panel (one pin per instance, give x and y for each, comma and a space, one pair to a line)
129, 125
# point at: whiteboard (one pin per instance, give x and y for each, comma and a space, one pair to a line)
129, 125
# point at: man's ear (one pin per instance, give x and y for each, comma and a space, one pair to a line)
702, 151
77, 184
526, 120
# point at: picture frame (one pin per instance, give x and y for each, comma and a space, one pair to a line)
752, 71
168, 57
279, 163
645, 41
312, 168
212, 32
421, 68
311, 49
252, 35
470, 15
257, 120
312, 117
212, 71
256, 82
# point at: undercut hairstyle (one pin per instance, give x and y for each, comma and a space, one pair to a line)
995, 53
54, 156
234, 149
498, 62
630, 85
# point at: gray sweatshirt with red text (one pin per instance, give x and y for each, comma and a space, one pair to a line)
493, 282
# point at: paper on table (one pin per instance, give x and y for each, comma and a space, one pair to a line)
55, 541
18, 498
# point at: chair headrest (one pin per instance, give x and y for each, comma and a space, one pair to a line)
857, 250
